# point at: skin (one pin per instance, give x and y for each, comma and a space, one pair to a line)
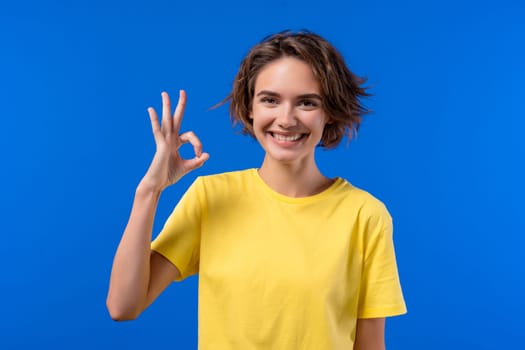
288, 103
138, 274
370, 334
288, 121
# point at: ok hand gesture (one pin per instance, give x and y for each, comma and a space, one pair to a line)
168, 166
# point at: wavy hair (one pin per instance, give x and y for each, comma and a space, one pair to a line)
341, 90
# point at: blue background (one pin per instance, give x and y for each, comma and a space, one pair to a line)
444, 150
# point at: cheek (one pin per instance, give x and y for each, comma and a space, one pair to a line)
261, 116
318, 121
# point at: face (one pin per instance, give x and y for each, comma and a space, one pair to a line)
287, 112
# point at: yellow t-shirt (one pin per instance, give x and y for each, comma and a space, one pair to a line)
282, 273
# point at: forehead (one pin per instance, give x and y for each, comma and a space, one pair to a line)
287, 75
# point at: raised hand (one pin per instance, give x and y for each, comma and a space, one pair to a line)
168, 166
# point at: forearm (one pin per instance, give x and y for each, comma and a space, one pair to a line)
136, 280
131, 266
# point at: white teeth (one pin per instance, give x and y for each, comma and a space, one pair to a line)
287, 138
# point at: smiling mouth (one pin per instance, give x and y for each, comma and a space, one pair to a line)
287, 138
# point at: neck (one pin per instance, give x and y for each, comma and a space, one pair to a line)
301, 179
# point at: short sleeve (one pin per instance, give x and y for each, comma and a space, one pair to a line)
380, 293
179, 239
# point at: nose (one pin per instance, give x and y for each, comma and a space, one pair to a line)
286, 116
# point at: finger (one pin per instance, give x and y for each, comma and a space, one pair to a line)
197, 162
166, 112
179, 111
155, 126
194, 140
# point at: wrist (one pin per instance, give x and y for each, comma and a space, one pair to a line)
145, 188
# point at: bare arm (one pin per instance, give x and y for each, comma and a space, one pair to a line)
138, 274
370, 334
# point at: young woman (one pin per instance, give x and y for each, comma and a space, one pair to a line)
287, 258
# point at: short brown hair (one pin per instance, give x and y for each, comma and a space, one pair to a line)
341, 89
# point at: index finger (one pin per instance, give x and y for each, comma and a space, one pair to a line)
179, 111
166, 112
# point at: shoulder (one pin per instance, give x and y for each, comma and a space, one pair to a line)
229, 179
371, 209
228, 176
228, 183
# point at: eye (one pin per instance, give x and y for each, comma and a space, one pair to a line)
308, 103
268, 100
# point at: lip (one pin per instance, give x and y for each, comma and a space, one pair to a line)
283, 142
287, 133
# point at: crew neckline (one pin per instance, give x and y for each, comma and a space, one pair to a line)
297, 200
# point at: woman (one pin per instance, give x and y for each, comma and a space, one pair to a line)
287, 258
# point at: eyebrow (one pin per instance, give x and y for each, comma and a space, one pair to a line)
275, 94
